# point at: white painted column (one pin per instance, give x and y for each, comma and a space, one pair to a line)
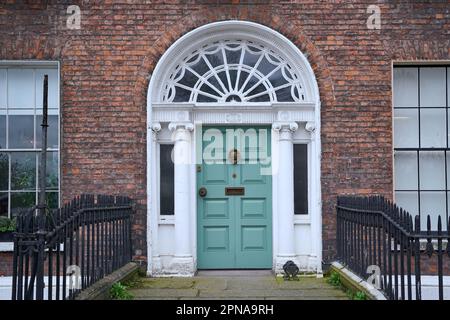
315, 211
183, 262
286, 234
155, 258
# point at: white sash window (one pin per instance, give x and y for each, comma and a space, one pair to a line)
21, 87
421, 141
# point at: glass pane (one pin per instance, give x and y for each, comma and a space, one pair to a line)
52, 200
432, 87
207, 89
212, 81
432, 170
2, 131
408, 201
233, 78
406, 128
22, 201
52, 169
181, 95
166, 180
4, 170
200, 67
53, 94
300, 179
448, 87
405, 169
3, 89
21, 131
265, 66
433, 204
20, 88
215, 59
405, 87
250, 59
433, 128
3, 204
23, 171
448, 170
277, 79
189, 79
52, 132
233, 56
285, 95
445, 224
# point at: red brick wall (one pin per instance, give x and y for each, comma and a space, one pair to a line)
6, 264
105, 68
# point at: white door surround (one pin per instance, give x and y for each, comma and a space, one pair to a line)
280, 90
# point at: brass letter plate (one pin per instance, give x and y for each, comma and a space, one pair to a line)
234, 191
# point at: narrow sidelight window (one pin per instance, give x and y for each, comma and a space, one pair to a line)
166, 181
300, 179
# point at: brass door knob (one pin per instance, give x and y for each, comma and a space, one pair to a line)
202, 192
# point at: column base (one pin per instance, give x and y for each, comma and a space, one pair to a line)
281, 260
156, 265
182, 266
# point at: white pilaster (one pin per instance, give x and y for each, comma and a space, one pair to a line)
183, 262
286, 232
155, 258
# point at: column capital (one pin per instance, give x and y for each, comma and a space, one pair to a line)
173, 126
285, 126
310, 126
155, 127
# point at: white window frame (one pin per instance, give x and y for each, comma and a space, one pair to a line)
162, 218
36, 64
446, 150
305, 218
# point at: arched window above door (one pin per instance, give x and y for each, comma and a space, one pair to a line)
233, 62
233, 71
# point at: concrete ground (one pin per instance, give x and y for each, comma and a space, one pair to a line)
238, 285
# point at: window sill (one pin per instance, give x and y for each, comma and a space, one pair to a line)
302, 220
168, 220
6, 246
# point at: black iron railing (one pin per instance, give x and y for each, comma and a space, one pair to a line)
68, 249
378, 240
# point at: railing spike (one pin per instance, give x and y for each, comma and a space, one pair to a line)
417, 224
448, 238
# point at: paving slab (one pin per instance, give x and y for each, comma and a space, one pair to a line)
168, 283
262, 283
210, 283
162, 293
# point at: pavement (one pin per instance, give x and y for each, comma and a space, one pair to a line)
239, 285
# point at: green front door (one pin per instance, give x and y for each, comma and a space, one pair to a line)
234, 228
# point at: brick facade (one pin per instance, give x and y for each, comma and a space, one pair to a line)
106, 66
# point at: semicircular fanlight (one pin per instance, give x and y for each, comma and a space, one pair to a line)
233, 71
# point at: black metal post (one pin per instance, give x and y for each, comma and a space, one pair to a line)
43, 165
41, 199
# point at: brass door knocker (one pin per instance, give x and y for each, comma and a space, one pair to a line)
234, 156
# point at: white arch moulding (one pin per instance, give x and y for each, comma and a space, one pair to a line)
233, 72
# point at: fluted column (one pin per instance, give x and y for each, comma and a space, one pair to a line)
285, 193
183, 262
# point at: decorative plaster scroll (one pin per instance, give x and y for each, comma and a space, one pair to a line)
310, 126
283, 126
